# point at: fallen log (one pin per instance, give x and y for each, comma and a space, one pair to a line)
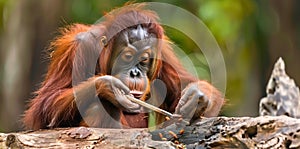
218, 132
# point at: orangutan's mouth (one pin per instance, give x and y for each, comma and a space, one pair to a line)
137, 94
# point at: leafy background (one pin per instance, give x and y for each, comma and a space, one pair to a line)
252, 34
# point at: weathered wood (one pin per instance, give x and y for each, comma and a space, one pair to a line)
219, 132
81, 137
243, 132
283, 96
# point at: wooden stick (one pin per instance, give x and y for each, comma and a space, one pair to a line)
176, 117
149, 106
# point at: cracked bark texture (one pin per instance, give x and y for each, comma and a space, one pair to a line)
282, 94
219, 132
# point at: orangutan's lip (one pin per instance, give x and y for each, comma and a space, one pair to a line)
136, 94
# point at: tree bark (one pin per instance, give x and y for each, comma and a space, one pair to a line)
218, 132
25, 34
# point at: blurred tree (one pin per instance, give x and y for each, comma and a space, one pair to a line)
284, 40
27, 27
16, 44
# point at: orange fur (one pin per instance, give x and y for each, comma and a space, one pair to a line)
54, 104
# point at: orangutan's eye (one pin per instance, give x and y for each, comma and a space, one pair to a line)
127, 56
145, 58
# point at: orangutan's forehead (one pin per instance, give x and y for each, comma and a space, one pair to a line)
137, 37
138, 33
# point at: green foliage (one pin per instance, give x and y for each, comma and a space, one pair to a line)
92, 10
225, 17
5, 8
